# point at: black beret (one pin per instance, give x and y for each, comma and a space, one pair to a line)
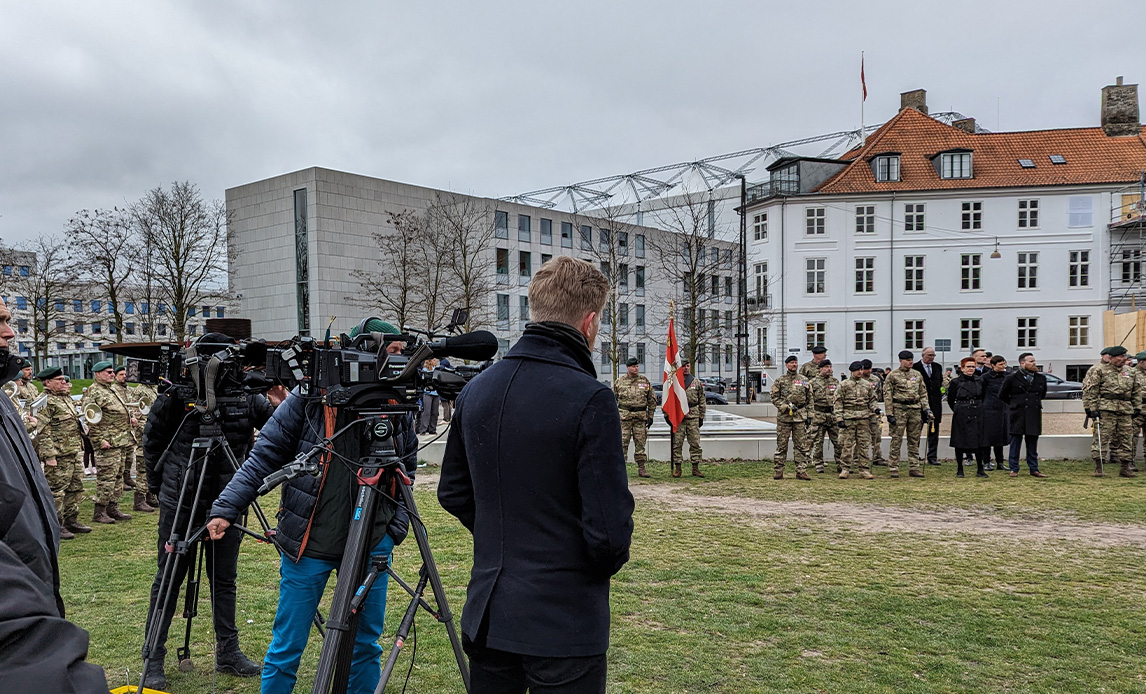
866, 363
790, 357
1117, 351
50, 372
826, 362
819, 349
855, 366
631, 361
905, 354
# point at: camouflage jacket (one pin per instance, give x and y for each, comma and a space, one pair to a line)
635, 397
138, 397
115, 426
904, 389
61, 433
792, 397
1112, 389
809, 370
696, 402
855, 399
25, 393
877, 383
824, 390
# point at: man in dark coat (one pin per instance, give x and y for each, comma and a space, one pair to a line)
1023, 391
933, 379
533, 467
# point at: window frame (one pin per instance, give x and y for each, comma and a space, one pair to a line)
971, 272
1028, 209
914, 333
970, 333
815, 333
1027, 270
971, 215
865, 220
760, 226
822, 271
815, 220
1078, 332
915, 274
1026, 332
864, 336
1078, 269
865, 275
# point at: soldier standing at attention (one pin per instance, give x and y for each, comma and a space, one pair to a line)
874, 428
1095, 454
811, 369
143, 395
824, 388
61, 451
111, 439
693, 421
1112, 398
908, 409
637, 404
792, 398
1139, 419
854, 408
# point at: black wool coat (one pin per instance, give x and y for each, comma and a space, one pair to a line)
995, 428
1024, 403
934, 386
965, 397
533, 467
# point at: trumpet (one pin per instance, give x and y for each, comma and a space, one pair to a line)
92, 413
35, 406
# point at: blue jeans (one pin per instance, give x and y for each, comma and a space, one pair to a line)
300, 588
1032, 452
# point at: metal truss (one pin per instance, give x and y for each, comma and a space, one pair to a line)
709, 173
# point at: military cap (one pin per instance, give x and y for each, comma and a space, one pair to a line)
855, 366
119, 368
1105, 352
819, 349
631, 361
905, 354
101, 366
790, 357
50, 372
1140, 356
826, 362
866, 363
1117, 351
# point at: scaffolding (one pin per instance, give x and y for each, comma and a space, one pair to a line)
1127, 227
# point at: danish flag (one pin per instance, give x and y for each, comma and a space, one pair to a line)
675, 404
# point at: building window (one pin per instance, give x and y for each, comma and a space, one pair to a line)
501, 224
865, 219
969, 333
639, 245
760, 227
58, 304
865, 336
1079, 331
815, 220
566, 234
816, 334
728, 320
955, 165
129, 328
190, 310
1028, 329
761, 344
1080, 212
22, 303
971, 268
61, 325
622, 243
25, 271
913, 214
887, 168
503, 307
503, 263
1028, 214
546, 232
220, 311
913, 334
524, 264
606, 348
524, 228
1079, 269
607, 271
816, 275
78, 328
640, 354
129, 307
639, 279
586, 237
623, 277
96, 306
162, 329
1131, 265
639, 318
728, 287
605, 242
715, 286
523, 308
301, 262
22, 325
622, 315
972, 215
97, 328
1028, 268
913, 273
77, 306
865, 275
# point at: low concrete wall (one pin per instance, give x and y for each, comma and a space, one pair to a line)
766, 409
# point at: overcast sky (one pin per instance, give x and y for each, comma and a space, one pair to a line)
105, 100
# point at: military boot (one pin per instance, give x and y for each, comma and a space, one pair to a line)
1098, 468
843, 474
696, 470
676, 470
114, 512
127, 482
232, 661
152, 500
915, 473
65, 534
142, 506
99, 515
803, 476
1125, 471
865, 475
641, 472
778, 475
73, 524
153, 677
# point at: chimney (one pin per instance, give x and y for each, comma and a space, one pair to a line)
916, 99
1120, 109
967, 125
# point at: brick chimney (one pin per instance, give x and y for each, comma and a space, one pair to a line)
967, 125
1120, 109
916, 99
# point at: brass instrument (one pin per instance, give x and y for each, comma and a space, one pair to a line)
92, 413
35, 406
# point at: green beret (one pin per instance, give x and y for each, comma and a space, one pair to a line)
631, 361
1140, 356
101, 365
1105, 352
1117, 351
119, 368
50, 372
376, 325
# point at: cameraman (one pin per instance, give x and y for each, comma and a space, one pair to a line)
314, 520
172, 427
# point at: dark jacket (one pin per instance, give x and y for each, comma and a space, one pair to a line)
1024, 402
297, 426
995, 431
533, 467
965, 397
934, 385
170, 430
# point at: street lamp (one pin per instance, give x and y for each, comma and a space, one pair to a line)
742, 301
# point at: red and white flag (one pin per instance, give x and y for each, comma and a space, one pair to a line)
675, 404
863, 81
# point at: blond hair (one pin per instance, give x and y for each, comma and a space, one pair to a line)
566, 289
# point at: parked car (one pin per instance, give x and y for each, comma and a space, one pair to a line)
1058, 389
712, 384
709, 397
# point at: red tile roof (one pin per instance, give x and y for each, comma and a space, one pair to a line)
1091, 157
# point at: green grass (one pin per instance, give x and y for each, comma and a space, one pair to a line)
78, 385
715, 603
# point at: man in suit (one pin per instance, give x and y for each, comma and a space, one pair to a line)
1023, 391
545, 496
933, 379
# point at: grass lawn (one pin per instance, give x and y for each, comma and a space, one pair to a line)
719, 602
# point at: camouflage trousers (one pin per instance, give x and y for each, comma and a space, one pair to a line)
110, 464
824, 424
136, 462
876, 434
690, 429
1117, 438
1138, 423
800, 443
66, 480
907, 418
634, 429
855, 446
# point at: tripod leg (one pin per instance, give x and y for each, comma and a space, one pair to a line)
403, 631
191, 610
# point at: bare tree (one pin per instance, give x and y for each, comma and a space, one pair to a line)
395, 284
187, 239
105, 248
46, 286
438, 294
463, 229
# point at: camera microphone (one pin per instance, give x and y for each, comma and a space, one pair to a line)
476, 346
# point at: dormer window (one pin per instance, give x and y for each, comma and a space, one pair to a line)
954, 164
886, 167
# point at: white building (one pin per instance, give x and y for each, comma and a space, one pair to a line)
932, 233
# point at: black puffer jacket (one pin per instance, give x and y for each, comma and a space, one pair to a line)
172, 428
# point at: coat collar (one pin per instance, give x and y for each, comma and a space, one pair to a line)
548, 348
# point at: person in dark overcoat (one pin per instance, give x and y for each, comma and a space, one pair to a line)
533, 468
994, 419
965, 398
933, 379
1023, 391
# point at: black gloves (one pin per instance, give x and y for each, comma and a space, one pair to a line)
843, 424
891, 419
648, 422
925, 414
878, 411
807, 421
1093, 414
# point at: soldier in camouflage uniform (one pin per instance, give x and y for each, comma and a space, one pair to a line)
1140, 419
143, 395
874, 427
111, 439
61, 451
22, 392
1095, 455
1112, 398
693, 421
908, 409
811, 369
637, 404
119, 385
854, 408
824, 388
792, 398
